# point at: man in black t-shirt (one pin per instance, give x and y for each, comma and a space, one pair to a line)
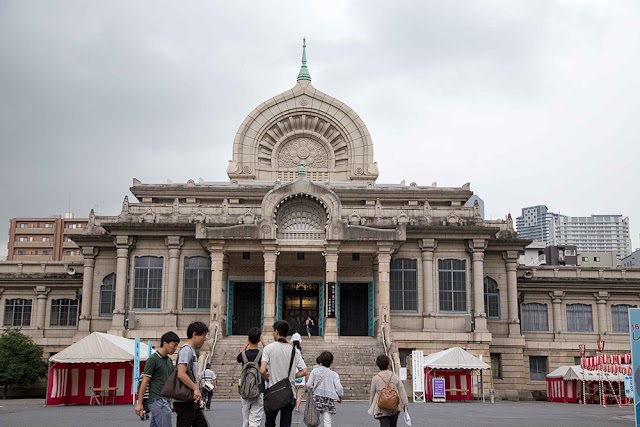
252, 409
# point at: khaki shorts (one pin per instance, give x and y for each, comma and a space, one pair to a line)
300, 390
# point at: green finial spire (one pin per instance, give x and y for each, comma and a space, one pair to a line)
304, 73
301, 170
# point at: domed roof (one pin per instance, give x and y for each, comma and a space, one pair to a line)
303, 125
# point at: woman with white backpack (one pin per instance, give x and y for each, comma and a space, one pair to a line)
326, 388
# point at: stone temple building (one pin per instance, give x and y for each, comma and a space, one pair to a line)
303, 229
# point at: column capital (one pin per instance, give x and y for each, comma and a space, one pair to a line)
556, 296
215, 246
510, 256
42, 291
479, 245
332, 248
122, 242
174, 242
89, 252
385, 247
428, 245
601, 297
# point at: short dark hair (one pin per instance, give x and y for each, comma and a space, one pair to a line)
254, 335
169, 337
197, 328
325, 359
383, 362
282, 326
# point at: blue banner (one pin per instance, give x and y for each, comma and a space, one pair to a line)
150, 348
634, 332
136, 365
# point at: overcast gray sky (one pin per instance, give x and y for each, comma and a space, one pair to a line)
533, 102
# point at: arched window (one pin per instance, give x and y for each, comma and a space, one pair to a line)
196, 293
579, 318
491, 299
17, 312
452, 285
64, 312
620, 317
108, 295
404, 292
301, 218
147, 286
534, 317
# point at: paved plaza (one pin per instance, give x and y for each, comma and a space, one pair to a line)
28, 413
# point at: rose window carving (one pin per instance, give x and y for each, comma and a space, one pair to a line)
311, 152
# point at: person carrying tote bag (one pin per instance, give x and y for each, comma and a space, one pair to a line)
325, 390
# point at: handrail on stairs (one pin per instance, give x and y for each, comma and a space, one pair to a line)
214, 340
386, 343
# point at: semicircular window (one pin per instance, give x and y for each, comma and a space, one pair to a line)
301, 220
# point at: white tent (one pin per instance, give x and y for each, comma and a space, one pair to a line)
100, 348
568, 373
454, 358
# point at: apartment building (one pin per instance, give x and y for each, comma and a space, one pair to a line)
595, 233
45, 239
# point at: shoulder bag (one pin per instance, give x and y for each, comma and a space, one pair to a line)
311, 413
176, 389
280, 394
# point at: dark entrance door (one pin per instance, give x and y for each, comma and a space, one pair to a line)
247, 306
300, 300
354, 309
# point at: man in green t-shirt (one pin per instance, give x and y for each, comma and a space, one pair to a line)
156, 371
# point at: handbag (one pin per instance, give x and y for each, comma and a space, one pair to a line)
388, 397
311, 413
280, 394
176, 389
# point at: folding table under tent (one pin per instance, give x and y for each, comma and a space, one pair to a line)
99, 360
563, 384
455, 365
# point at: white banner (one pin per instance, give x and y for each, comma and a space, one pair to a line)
417, 357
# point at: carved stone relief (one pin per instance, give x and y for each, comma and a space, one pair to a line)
311, 152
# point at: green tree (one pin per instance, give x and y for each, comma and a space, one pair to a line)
20, 360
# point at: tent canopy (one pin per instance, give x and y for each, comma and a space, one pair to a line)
454, 358
100, 348
575, 373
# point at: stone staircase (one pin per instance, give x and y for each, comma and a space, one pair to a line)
353, 359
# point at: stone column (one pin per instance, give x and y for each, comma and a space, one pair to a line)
556, 300
223, 300
89, 254
384, 266
122, 253
41, 307
511, 257
270, 255
331, 275
478, 285
174, 243
428, 247
216, 252
601, 298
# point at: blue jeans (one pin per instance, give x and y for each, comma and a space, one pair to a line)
160, 413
